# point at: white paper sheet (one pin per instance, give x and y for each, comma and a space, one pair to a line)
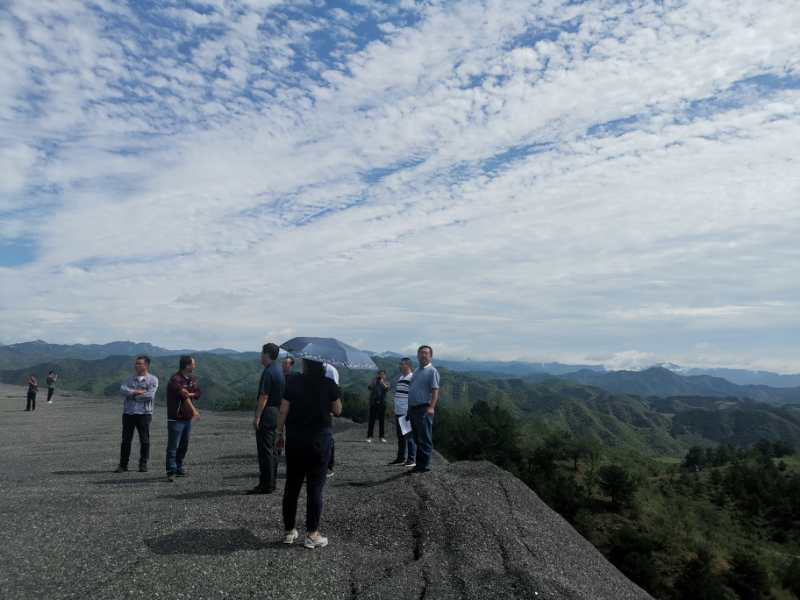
405, 425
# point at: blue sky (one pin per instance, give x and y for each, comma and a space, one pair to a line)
600, 181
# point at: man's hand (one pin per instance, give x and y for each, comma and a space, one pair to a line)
430, 411
256, 423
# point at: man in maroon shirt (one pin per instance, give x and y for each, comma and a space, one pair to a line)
182, 392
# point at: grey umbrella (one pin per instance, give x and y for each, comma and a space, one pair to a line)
329, 350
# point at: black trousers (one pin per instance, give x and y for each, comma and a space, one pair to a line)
332, 462
141, 424
31, 402
265, 443
50, 392
377, 412
307, 457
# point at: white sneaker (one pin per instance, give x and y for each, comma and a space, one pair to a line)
369, 440
330, 474
291, 536
383, 440
311, 543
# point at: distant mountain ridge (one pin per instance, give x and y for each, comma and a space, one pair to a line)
663, 380
24, 354
658, 381
545, 404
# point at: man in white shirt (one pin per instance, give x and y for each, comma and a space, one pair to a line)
406, 448
332, 374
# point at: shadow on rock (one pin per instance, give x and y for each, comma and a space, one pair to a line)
373, 483
250, 476
127, 481
201, 495
86, 472
237, 457
207, 542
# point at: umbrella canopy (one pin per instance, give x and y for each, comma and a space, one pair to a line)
329, 350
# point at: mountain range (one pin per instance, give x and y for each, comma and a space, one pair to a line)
658, 381
623, 410
13, 356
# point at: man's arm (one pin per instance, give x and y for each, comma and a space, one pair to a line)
282, 412
434, 400
125, 389
434, 392
260, 406
187, 398
149, 393
264, 388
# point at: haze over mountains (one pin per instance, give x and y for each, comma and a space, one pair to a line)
654, 411
23, 354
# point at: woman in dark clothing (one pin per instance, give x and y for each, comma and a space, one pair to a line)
33, 387
306, 410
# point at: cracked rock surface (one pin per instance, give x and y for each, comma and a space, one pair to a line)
71, 528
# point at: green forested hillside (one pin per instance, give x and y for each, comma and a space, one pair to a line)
658, 381
649, 426
225, 381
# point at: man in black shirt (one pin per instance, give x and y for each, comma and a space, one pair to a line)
265, 420
377, 405
33, 388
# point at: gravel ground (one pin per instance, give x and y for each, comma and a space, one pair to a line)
71, 528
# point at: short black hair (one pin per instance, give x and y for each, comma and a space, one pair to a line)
425, 346
405, 361
185, 361
270, 350
145, 358
313, 369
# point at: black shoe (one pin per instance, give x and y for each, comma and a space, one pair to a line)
418, 470
121, 469
180, 473
142, 468
398, 461
170, 477
258, 490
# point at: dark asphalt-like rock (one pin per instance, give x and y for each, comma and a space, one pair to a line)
71, 528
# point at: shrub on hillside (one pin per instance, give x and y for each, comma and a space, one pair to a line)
617, 483
699, 581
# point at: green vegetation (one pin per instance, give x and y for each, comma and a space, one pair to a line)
226, 383
723, 523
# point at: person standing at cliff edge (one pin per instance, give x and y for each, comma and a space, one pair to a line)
377, 405
51, 386
265, 420
33, 387
182, 392
139, 391
332, 373
423, 394
306, 410
406, 448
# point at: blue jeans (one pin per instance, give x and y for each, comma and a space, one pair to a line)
422, 425
406, 448
177, 444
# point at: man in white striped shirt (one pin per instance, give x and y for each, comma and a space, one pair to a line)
406, 449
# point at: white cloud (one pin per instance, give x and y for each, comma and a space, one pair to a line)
391, 193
